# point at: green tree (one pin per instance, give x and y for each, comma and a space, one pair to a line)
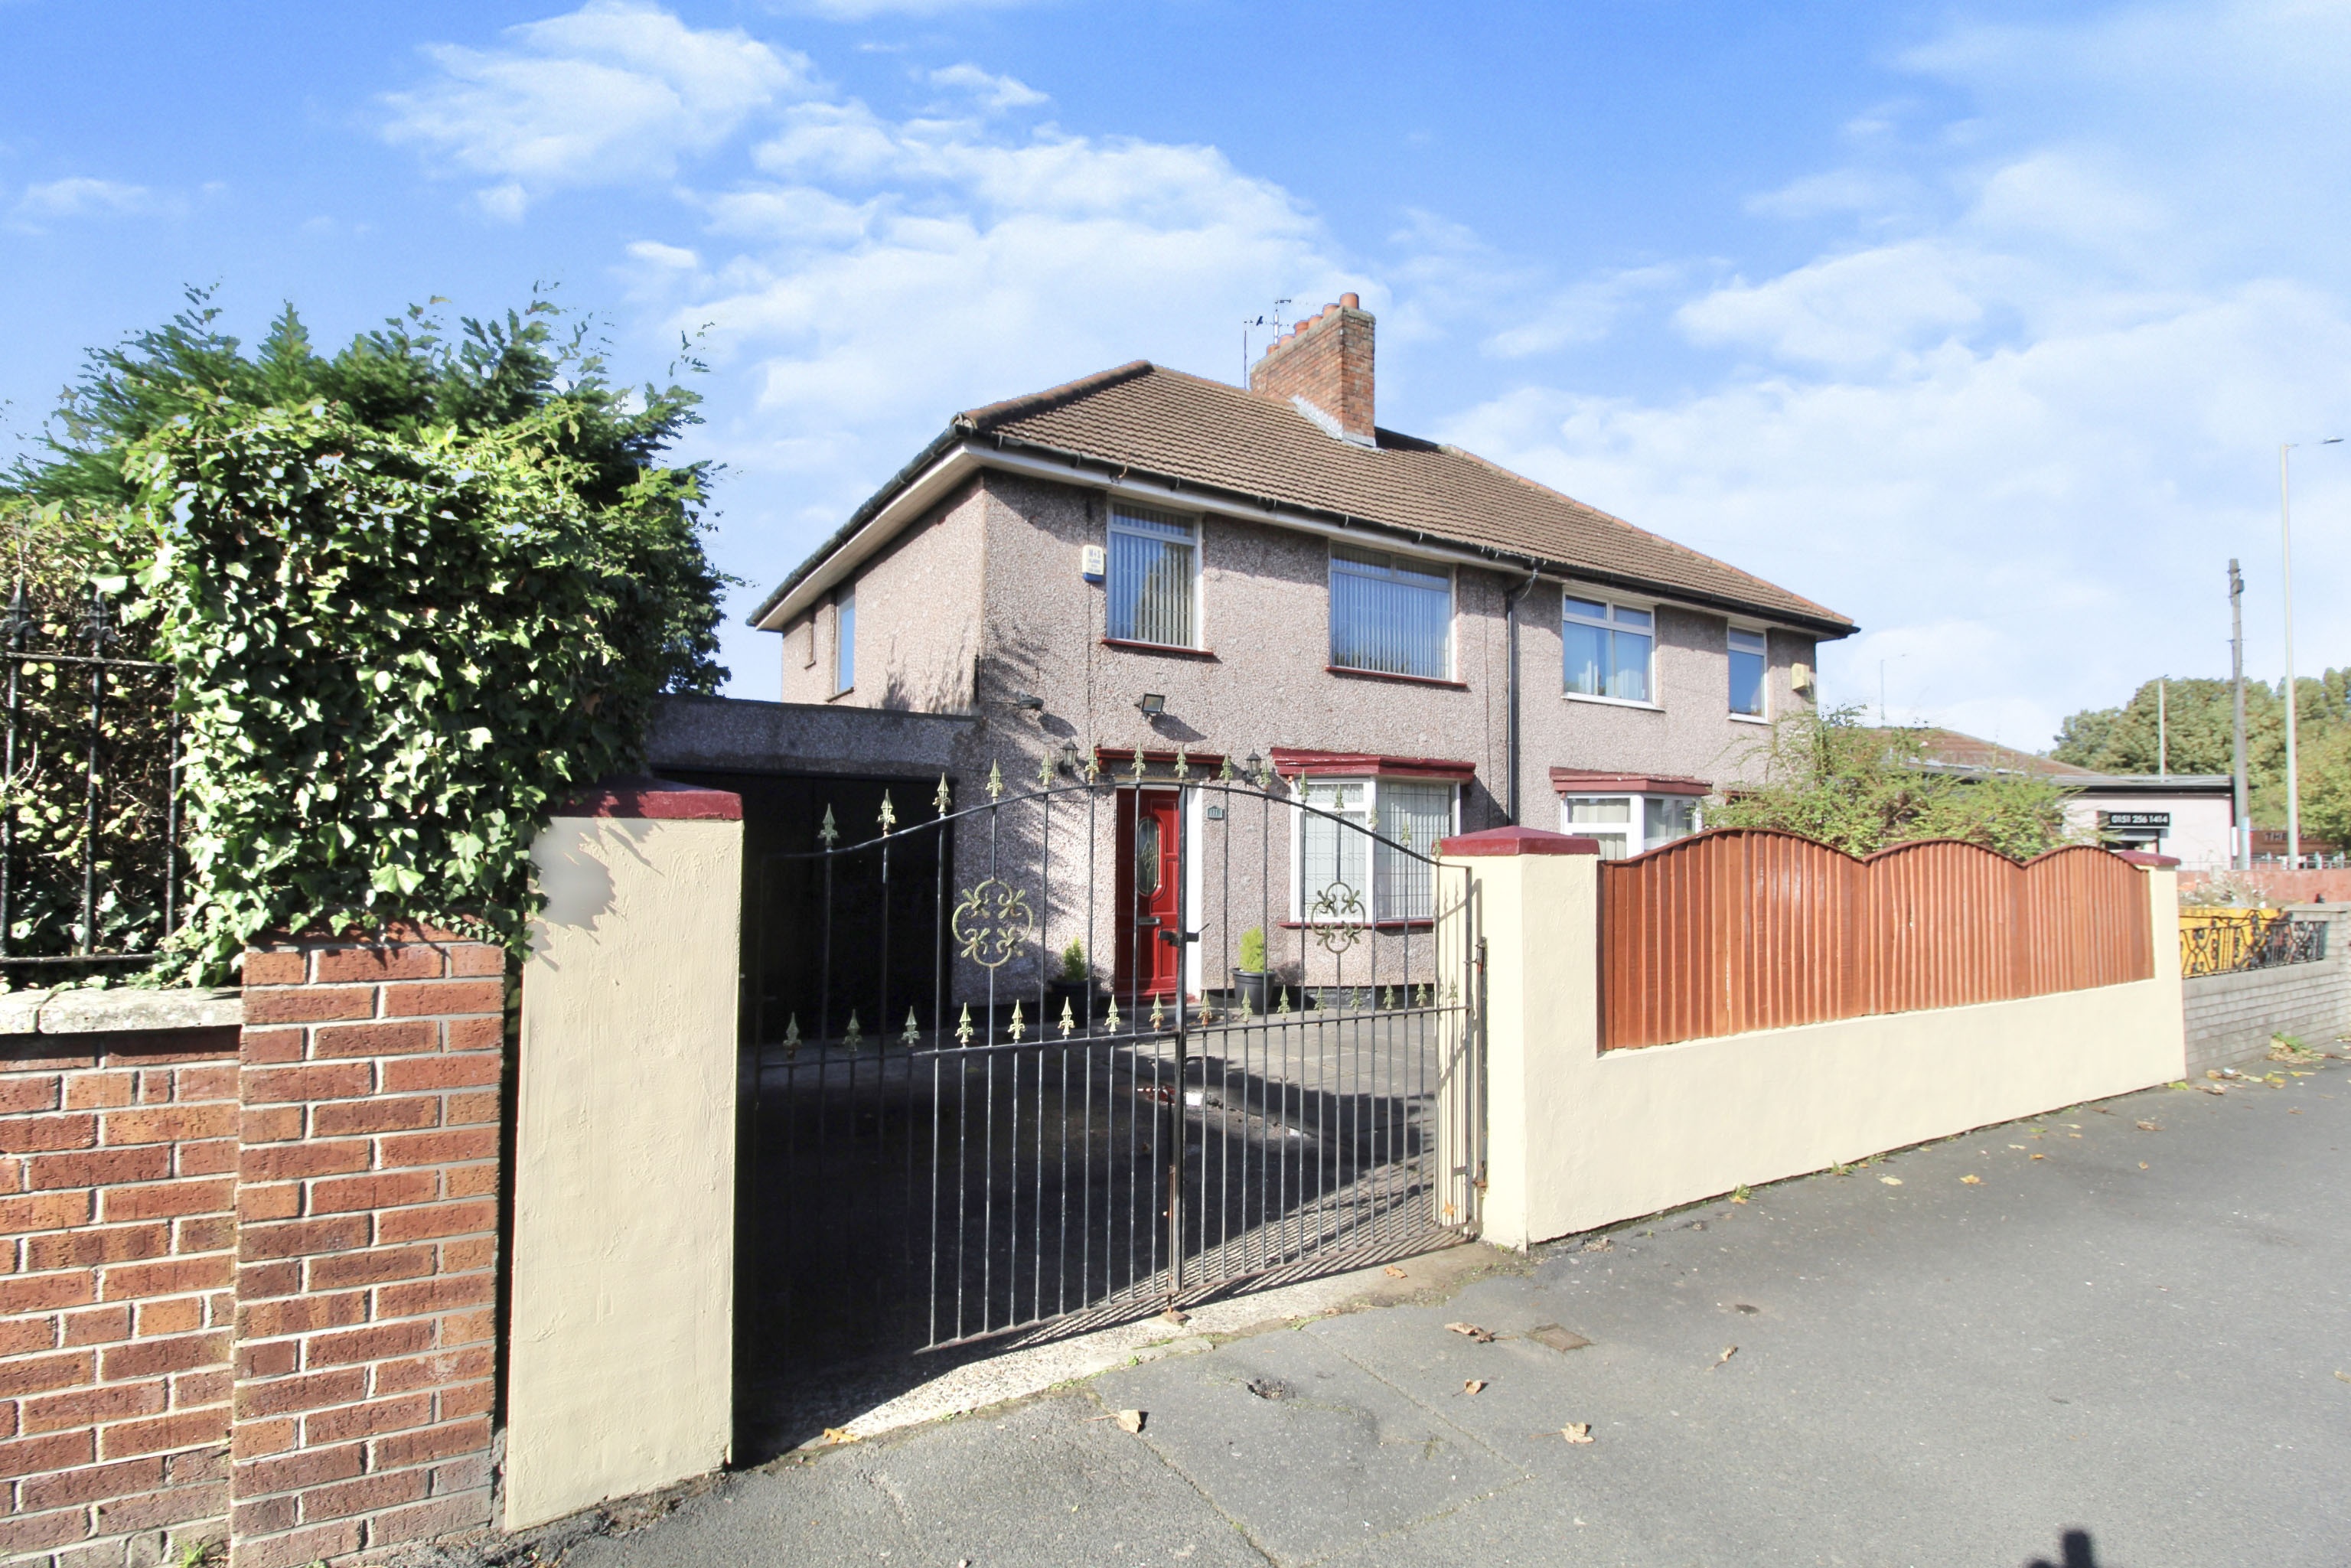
414, 592
1834, 779
2198, 719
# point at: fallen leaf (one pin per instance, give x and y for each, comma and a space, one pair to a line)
2150, 1127
1130, 1420
1891, 1181
1472, 1384
1560, 1339
2293, 1111
1393, 1272
2041, 1156
1971, 1180
1471, 1330
2346, 1376
2142, 1165
838, 1435
2213, 1087
1728, 1351
1577, 1431
1267, 1387
1177, 1316
1602, 1245
2018, 1147
2212, 1073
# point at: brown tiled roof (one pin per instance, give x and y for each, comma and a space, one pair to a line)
1149, 422
1202, 432
1949, 746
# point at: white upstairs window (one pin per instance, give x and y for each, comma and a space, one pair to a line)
1390, 614
1748, 661
1154, 578
1609, 649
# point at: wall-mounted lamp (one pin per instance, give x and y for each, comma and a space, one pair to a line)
1070, 758
1252, 765
1026, 703
1151, 704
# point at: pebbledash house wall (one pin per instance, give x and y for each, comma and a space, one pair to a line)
982, 601
988, 585
248, 1274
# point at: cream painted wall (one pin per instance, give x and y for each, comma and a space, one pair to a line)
621, 1370
1578, 1138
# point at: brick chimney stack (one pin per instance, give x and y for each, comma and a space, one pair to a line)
1327, 360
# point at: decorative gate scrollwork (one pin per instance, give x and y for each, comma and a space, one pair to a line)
992, 923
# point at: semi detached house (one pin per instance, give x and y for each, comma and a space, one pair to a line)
1416, 637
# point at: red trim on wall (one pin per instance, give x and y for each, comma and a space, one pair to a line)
658, 799
1350, 671
1175, 650
2142, 857
1291, 760
1592, 780
1113, 758
1516, 841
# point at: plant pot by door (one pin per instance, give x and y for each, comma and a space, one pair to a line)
1253, 987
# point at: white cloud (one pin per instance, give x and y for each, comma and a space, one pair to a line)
614, 92
80, 195
997, 93
669, 258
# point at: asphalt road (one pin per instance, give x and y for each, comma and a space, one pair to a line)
2136, 1338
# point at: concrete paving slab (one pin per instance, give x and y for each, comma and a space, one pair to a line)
1044, 1482
1308, 1449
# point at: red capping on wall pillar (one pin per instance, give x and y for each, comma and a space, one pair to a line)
2141, 857
660, 800
1516, 841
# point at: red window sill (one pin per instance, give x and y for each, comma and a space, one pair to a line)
1176, 650
1389, 675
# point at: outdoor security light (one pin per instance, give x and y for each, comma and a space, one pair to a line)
1031, 703
1152, 704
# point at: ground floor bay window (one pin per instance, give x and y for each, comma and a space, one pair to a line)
1362, 851
1628, 813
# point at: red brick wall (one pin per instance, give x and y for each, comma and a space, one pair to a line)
248, 1279
117, 1162
368, 1246
1329, 361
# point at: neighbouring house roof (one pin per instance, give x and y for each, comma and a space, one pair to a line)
1222, 443
1960, 753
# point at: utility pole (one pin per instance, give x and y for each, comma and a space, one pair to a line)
2293, 775
2244, 832
2162, 728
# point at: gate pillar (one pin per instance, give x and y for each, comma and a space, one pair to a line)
1537, 897
621, 1366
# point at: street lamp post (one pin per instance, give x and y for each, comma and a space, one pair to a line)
2293, 774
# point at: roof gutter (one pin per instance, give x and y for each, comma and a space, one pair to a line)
935, 471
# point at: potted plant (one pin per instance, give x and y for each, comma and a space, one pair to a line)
1249, 976
1073, 985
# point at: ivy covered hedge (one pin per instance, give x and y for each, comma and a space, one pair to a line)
413, 594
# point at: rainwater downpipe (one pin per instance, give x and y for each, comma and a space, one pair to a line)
1510, 706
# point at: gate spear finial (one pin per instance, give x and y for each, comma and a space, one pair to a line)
889, 818
827, 833
943, 799
995, 782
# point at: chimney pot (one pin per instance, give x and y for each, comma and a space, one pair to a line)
1334, 375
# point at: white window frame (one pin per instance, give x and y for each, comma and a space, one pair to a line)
1299, 915
1763, 687
844, 643
1191, 521
1613, 601
1418, 564
1637, 821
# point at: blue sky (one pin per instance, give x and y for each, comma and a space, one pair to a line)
1980, 323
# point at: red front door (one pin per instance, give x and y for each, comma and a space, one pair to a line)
1148, 865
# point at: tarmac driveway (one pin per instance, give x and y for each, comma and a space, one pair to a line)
2140, 1336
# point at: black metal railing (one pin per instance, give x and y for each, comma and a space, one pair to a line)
2228, 947
90, 794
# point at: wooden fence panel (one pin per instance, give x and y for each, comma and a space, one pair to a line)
1738, 930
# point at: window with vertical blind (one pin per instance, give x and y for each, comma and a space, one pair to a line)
1153, 578
1390, 614
1345, 873
1628, 824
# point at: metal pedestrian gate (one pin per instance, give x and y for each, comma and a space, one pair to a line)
1080, 1052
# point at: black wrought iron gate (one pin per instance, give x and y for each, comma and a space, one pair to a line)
1026, 1085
